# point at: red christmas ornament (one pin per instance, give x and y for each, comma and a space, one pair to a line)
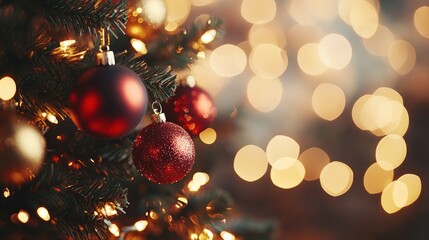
108, 101
192, 108
163, 152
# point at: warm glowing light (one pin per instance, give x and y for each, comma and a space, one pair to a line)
312, 11
258, 12
391, 152
153, 215
171, 27
206, 235
193, 186
23, 216
421, 18
200, 3
114, 229
376, 179
181, 202
336, 178
66, 43
201, 54
177, 12
376, 113
402, 56
314, 160
414, 187
259, 34
394, 197
208, 79
141, 225
208, 136
156, 11
397, 115
7, 88
357, 110
335, 51
51, 118
268, 61
228, 60
328, 101
201, 178
363, 18
288, 177
109, 209
139, 45
227, 236
250, 163
264, 95
345, 6
389, 93
281, 147
43, 213
309, 60
31, 144
378, 44
208, 36
6, 192
193, 236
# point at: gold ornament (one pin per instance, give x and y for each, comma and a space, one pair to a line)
22, 150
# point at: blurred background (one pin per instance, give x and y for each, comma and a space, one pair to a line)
322, 113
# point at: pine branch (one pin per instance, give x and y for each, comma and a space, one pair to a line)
85, 16
180, 50
158, 80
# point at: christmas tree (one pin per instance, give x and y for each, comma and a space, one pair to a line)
79, 80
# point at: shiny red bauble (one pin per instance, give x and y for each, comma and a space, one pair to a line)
108, 101
163, 152
192, 108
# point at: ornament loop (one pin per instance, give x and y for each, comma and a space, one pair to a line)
158, 116
156, 107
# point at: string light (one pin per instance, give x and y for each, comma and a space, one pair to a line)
181, 202
208, 136
201, 178
227, 235
23, 216
139, 45
6, 192
206, 235
208, 36
114, 229
193, 236
7, 88
51, 118
193, 186
141, 225
66, 43
43, 213
109, 209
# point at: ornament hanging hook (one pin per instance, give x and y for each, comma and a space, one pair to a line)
157, 107
105, 56
158, 116
104, 39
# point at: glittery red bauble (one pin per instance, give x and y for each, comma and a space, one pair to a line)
163, 152
108, 101
192, 108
